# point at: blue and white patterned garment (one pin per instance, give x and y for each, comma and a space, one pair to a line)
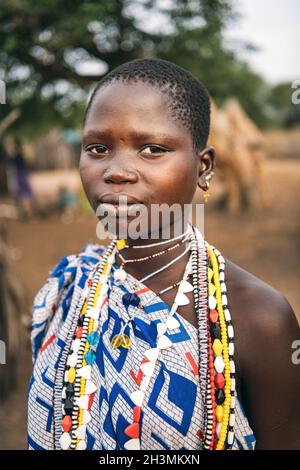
173, 410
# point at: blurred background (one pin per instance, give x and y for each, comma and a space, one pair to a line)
51, 56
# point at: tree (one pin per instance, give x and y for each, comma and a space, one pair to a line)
46, 47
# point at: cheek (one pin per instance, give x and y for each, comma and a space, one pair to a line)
178, 181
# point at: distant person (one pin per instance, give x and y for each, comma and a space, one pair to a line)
18, 178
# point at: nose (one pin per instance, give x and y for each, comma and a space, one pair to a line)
118, 174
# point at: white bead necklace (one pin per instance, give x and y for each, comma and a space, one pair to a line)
163, 242
120, 273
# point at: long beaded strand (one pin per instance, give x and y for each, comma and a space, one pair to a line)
211, 392
203, 333
222, 411
74, 376
230, 333
197, 293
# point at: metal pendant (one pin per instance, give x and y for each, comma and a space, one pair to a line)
122, 340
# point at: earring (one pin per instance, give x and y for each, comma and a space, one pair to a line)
206, 193
206, 190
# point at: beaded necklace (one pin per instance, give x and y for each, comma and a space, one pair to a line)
154, 255
120, 274
163, 242
122, 339
216, 369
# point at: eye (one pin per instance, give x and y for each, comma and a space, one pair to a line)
154, 150
97, 149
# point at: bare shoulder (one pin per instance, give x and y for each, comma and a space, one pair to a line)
260, 313
253, 299
268, 380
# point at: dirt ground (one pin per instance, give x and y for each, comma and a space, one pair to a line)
266, 244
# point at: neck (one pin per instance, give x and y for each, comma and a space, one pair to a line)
162, 237
141, 269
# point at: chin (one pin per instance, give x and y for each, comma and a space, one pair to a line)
119, 227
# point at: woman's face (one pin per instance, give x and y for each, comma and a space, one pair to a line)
132, 147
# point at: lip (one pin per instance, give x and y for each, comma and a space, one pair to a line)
118, 199
119, 205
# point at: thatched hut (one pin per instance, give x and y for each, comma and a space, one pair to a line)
240, 156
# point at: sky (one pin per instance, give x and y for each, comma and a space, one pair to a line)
274, 27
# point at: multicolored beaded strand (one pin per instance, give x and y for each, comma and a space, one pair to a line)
210, 402
211, 393
202, 311
84, 389
230, 333
78, 376
221, 349
200, 300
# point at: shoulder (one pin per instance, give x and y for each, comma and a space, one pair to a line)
64, 272
256, 302
90, 255
262, 317
57, 291
266, 332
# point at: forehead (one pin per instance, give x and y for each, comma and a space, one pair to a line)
136, 105
138, 97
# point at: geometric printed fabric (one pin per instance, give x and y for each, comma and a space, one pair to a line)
172, 415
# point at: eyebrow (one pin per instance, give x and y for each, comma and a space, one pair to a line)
106, 134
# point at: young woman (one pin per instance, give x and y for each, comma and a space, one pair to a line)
157, 343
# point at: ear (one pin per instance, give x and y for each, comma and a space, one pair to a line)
206, 165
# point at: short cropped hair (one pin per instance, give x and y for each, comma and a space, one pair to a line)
188, 98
